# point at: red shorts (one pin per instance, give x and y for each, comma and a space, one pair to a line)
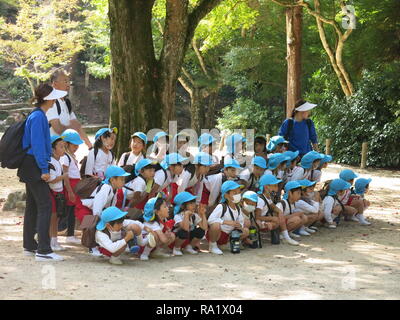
120, 199
223, 238
205, 196
73, 183
81, 211
105, 252
53, 200
351, 198
174, 191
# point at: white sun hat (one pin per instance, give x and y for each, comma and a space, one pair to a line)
306, 106
56, 94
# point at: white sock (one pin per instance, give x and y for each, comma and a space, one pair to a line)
285, 234
302, 228
147, 250
213, 244
53, 241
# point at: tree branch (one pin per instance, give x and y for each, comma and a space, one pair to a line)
200, 57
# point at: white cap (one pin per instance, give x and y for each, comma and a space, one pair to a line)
306, 106
56, 94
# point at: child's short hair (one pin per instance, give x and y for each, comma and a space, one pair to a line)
99, 143
118, 221
54, 144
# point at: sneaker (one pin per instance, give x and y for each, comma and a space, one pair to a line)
214, 249
95, 252
303, 232
309, 230
72, 240
160, 254
144, 257
29, 253
57, 247
313, 228
293, 235
354, 218
177, 252
48, 257
115, 260
189, 249
290, 241
362, 220
151, 240
331, 225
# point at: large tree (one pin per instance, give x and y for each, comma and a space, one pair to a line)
143, 87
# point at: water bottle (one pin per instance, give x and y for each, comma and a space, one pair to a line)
253, 236
275, 239
235, 241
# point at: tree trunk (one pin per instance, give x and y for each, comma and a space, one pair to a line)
294, 42
210, 115
135, 103
195, 109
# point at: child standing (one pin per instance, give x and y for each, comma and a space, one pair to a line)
138, 150
226, 217
57, 177
189, 227
101, 156
70, 165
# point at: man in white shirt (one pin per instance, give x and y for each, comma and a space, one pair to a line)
62, 117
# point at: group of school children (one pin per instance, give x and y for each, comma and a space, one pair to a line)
171, 203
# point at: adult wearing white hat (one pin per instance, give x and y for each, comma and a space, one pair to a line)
34, 172
300, 130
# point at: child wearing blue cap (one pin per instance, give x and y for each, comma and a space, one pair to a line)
160, 146
226, 217
155, 223
308, 205
57, 177
260, 147
361, 188
296, 219
277, 144
70, 165
250, 176
323, 164
114, 232
207, 145
332, 207
291, 165
189, 227
181, 142
309, 162
101, 156
268, 215
173, 166
138, 150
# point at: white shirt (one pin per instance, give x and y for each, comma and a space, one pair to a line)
54, 173
102, 199
263, 206
183, 181
113, 245
305, 207
213, 184
346, 196
327, 206
178, 218
294, 173
153, 225
72, 164
287, 212
301, 174
317, 175
65, 117
163, 179
98, 167
215, 217
137, 185
132, 159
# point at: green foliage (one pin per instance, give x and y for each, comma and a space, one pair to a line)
370, 115
247, 114
15, 87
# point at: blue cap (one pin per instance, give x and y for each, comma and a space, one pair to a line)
327, 158
338, 185
347, 175
266, 180
141, 136
290, 186
292, 155
172, 158
108, 215
306, 183
231, 163
259, 162
250, 195
309, 158
55, 138
142, 164
72, 136
274, 141
159, 135
114, 171
182, 198
102, 131
276, 159
232, 140
203, 158
360, 185
228, 186
148, 212
206, 139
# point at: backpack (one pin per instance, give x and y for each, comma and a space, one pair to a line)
11, 152
85, 187
84, 161
270, 211
225, 208
158, 167
324, 191
88, 227
290, 127
68, 103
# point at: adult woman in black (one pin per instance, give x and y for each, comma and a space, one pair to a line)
34, 172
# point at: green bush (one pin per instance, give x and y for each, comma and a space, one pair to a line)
370, 115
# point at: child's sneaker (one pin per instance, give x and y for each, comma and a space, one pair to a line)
303, 232
214, 249
115, 260
57, 247
362, 220
95, 252
189, 249
309, 230
72, 240
331, 225
158, 253
294, 234
354, 218
29, 253
48, 257
290, 241
144, 257
177, 252
151, 240
313, 228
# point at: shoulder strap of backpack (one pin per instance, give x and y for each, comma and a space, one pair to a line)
58, 107
96, 151
266, 202
289, 129
283, 202
69, 105
308, 121
224, 208
126, 157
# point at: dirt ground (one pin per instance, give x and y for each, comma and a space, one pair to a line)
351, 262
